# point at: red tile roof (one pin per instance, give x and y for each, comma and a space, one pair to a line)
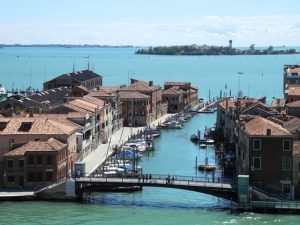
294, 90
173, 91
132, 95
139, 85
293, 70
294, 104
258, 127
37, 146
38, 125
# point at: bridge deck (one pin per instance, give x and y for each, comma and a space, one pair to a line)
155, 182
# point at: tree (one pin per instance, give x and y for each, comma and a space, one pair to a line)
252, 47
270, 49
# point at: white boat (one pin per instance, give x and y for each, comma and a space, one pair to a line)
207, 167
139, 146
3, 92
203, 146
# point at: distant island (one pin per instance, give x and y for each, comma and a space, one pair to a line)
212, 50
66, 46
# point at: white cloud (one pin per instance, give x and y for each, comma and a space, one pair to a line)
214, 30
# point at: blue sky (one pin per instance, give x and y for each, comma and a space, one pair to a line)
152, 22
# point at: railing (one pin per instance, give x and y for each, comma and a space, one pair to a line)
270, 192
196, 179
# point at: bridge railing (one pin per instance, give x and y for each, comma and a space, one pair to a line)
171, 177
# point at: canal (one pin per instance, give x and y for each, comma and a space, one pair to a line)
174, 154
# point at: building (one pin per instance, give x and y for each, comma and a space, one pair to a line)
292, 93
86, 78
17, 131
135, 108
190, 93
174, 96
293, 108
291, 76
110, 95
265, 154
36, 163
157, 107
38, 102
278, 104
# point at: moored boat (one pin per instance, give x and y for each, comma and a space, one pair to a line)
207, 167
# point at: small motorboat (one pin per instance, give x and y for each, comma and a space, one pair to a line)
207, 167
194, 138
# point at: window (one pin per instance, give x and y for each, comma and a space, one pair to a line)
286, 188
49, 176
39, 176
31, 160
286, 145
11, 179
286, 163
49, 160
39, 159
256, 163
30, 177
25, 126
3, 125
298, 167
21, 163
256, 144
10, 163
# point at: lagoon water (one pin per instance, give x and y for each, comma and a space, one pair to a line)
174, 153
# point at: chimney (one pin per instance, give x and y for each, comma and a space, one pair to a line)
10, 144
226, 103
150, 83
98, 88
268, 131
30, 112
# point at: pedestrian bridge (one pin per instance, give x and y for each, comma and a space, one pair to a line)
219, 187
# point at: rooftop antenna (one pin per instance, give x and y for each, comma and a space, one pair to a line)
30, 74
45, 76
88, 62
73, 67
93, 67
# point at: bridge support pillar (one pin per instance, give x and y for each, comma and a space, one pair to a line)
70, 189
243, 189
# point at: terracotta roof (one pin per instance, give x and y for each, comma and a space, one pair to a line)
176, 83
108, 89
37, 146
259, 125
295, 104
293, 70
258, 104
139, 85
86, 105
292, 125
63, 116
173, 91
132, 95
93, 100
36, 125
294, 90
244, 102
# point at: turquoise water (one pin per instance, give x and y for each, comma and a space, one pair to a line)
117, 64
174, 153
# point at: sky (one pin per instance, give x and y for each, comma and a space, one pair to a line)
150, 22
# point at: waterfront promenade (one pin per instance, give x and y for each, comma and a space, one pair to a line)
98, 156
